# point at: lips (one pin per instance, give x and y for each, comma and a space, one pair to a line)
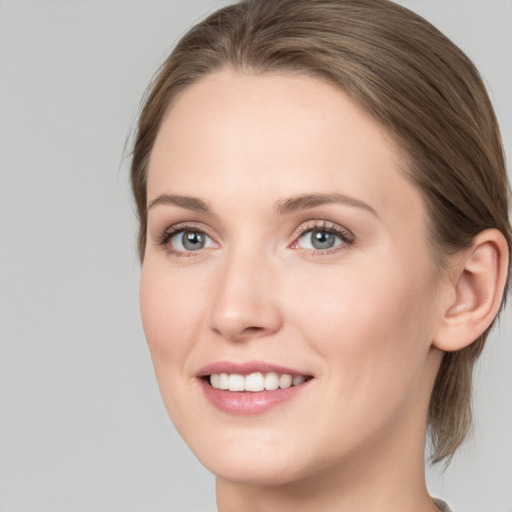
250, 388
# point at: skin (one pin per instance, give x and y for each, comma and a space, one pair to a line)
360, 318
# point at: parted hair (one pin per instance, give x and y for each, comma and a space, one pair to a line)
413, 80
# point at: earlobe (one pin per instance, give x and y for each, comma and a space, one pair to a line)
477, 289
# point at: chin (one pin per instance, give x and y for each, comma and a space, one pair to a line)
248, 471
245, 458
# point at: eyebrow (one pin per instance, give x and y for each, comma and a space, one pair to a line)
187, 202
304, 202
284, 207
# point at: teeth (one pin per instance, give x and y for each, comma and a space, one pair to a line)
236, 382
255, 381
215, 380
298, 379
285, 381
271, 381
223, 381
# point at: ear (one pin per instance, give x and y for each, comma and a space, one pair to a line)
476, 290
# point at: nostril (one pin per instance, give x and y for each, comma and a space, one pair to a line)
253, 329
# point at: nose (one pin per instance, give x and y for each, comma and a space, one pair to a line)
245, 302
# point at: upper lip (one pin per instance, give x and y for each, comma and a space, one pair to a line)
246, 368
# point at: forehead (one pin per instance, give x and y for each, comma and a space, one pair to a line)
277, 133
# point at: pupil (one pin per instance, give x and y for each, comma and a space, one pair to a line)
322, 239
192, 240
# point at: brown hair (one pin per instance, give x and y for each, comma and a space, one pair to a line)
412, 79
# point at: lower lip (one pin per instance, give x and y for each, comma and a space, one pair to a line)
247, 403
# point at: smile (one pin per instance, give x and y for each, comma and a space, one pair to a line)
255, 382
250, 388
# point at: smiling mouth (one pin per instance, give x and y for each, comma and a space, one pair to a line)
255, 382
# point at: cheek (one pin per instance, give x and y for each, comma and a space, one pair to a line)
368, 322
169, 316
171, 320
375, 334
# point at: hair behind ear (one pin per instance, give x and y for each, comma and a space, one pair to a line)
478, 275
450, 410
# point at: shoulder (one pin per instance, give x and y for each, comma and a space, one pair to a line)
442, 505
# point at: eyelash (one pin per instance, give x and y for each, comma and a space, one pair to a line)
346, 237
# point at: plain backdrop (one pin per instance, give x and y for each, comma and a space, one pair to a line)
82, 426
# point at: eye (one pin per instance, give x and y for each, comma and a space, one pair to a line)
186, 240
323, 238
318, 239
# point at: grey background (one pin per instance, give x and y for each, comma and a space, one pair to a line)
82, 427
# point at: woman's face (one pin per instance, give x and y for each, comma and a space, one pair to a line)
284, 244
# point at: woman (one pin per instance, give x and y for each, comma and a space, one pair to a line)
325, 243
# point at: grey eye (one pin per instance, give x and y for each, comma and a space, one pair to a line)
190, 241
322, 239
319, 239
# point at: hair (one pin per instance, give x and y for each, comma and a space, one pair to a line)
413, 80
